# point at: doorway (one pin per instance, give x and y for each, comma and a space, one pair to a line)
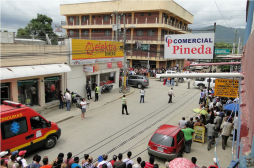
5, 92
92, 81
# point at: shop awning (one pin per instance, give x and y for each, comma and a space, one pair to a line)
36, 70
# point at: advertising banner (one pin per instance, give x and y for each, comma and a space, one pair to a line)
93, 51
88, 68
119, 64
222, 51
226, 88
109, 65
189, 46
96, 67
199, 134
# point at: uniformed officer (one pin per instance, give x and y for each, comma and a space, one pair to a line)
124, 105
96, 90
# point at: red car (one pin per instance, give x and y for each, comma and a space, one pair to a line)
167, 142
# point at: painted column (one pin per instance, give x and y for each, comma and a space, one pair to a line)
41, 91
130, 62
131, 50
14, 91
90, 34
132, 17
157, 64
132, 32
66, 20
80, 20
158, 50
160, 16
159, 34
90, 19
79, 33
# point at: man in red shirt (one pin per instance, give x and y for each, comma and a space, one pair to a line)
150, 163
215, 163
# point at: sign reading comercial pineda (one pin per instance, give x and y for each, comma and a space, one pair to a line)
94, 51
189, 46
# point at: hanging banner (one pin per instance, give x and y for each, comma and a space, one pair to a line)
94, 51
119, 64
88, 68
96, 67
226, 88
199, 134
189, 46
109, 65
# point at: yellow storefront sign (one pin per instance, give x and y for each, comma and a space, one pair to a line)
199, 134
93, 49
226, 88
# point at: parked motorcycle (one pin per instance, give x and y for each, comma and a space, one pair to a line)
106, 88
78, 100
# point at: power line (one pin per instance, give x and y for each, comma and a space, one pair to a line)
221, 13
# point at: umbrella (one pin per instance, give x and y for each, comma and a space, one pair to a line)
232, 107
181, 163
200, 111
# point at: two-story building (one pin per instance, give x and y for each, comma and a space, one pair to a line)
152, 20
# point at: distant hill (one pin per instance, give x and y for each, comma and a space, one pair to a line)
224, 34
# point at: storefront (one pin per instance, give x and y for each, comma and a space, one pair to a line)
39, 88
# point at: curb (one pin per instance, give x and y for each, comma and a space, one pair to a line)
57, 122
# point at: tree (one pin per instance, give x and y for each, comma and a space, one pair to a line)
5, 30
39, 27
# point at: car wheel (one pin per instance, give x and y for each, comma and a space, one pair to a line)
181, 80
140, 85
50, 142
162, 80
200, 87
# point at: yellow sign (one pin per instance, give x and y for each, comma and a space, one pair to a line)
93, 49
199, 134
11, 117
226, 87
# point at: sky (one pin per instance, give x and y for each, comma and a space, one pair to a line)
230, 13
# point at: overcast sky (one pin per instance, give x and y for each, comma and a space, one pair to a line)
17, 13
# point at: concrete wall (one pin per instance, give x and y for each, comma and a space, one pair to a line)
7, 37
22, 54
247, 126
126, 6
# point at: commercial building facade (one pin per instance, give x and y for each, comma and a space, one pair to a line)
152, 20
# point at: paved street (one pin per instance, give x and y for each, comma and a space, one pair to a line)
106, 130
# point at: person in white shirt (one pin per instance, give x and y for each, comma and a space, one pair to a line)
128, 159
105, 157
22, 158
170, 93
142, 94
182, 123
68, 100
83, 108
138, 163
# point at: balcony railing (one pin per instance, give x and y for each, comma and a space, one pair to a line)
134, 21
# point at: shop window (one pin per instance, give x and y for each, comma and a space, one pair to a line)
28, 92
107, 78
142, 14
13, 128
105, 18
85, 33
72, 32
151, 32
107, 33
140, 32
52, 86
38, 122
149, 14
71, 19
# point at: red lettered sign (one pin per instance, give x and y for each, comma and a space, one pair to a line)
109, 65
119, 64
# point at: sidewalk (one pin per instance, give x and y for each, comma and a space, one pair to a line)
57, 115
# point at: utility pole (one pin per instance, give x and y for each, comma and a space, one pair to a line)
148, 65
214, 28
124, 61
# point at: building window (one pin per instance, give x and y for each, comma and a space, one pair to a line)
107, 78
38, 123
71, 32
107, 32
151, 32
28, 92
52, 86
93, 31
149, 14
99, 16
105, 18
85, 33
93, 16
140, 32
98, 31
129, 15
84, 18
142, 14
13, 127
71, 19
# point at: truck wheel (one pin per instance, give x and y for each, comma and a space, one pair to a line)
140, 85
162, 80
181, 80
200, 87
50, 142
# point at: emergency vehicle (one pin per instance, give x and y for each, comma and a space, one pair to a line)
22, 128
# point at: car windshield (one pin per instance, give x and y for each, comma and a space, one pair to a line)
163, 140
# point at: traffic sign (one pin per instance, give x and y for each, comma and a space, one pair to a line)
222, 51
226, 88
145, 47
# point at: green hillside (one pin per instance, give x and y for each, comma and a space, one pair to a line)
224, 34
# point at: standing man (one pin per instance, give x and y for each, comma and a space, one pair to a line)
88, 92
201, 99
33, 93
96, 90
172, 80
182, 123
142, 94
211, 134
188, 132
189, 83
124, 105
68, 100
226, 131
170, 93
22, 158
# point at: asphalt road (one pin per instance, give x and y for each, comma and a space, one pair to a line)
106, 130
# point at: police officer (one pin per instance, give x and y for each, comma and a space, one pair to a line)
96, 90
124, 105
88, 92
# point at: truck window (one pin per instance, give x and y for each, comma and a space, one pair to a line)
38, 122
13, 128
140, 77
